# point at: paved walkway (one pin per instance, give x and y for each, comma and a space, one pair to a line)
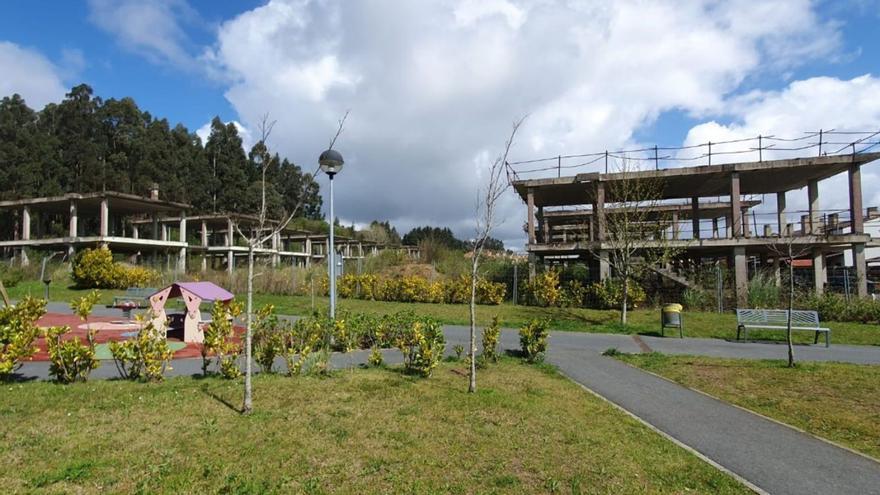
772, 457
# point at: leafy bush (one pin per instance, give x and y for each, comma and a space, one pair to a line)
763, 291
414, 288
18, 331
491, 336
574, 294
533, 339
72, 360
544, 289
458, 349
218, 340
422, 345
144, 357
10, 276
300, 340
695, 299
835, 307
95, 268
375, 358
609, 294
268, 337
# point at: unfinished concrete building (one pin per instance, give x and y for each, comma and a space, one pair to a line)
73, 221
708, 216
160, 232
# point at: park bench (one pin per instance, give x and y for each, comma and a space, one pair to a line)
777, 319
137, 295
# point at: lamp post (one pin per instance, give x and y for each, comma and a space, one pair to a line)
331, 163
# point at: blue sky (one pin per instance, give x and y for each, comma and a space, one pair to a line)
433, 86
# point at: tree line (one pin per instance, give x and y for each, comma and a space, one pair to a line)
88, 144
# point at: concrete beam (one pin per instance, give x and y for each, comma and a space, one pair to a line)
735, 206
741, 277
695, 217
813, 206
858, 252
855, 199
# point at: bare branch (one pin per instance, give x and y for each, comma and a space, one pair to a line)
339, 129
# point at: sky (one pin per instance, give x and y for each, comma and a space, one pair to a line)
433, 86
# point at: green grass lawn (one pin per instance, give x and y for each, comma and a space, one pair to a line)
642, 321
837, 401
526, 430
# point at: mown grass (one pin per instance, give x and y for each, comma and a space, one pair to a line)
837, 401
526, 430
641, 321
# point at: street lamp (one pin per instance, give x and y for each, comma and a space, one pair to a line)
331, 163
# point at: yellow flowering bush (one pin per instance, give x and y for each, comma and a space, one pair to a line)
18, 331
95, 268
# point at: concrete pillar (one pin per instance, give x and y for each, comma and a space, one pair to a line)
715, 227
695, 217
275, 256
308, 248
531, 267
604, 266
819, 273
230, 256
780, 213
728, 228
181, 257
768, 230
805, 224
675, 226
735, 206
25, 233
135, 232
858, 252
747, 229
105, 217
855, 199
73, 227
813, 205
204, 239
155, 227
530, 212
164, 235
741, 277
599, 211
777, 270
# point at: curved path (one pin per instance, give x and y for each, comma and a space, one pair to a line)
768, 456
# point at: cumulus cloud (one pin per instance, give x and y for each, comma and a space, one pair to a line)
247, 138
434, 86
151, 29
804, 106
30, 74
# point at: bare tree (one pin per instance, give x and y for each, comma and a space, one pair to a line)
787, 249
263, 233
635, 228
485, 220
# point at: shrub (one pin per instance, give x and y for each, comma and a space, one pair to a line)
414, 288
375, 358
218, 340
268, 337
491, 336
763, 291
422, 345
544, 289
10, 276
95, 268
533, 339
71, 360
574, 294
300, 340
695, 299
144, 357
609, 294
18, 331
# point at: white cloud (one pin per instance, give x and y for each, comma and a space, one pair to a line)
151, 29
30, 74
434, 86
247, 138
804, 106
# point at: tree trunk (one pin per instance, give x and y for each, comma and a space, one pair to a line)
624, 301
248, 396
472, 383
790, 307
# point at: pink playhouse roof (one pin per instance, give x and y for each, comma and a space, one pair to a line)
206, 291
